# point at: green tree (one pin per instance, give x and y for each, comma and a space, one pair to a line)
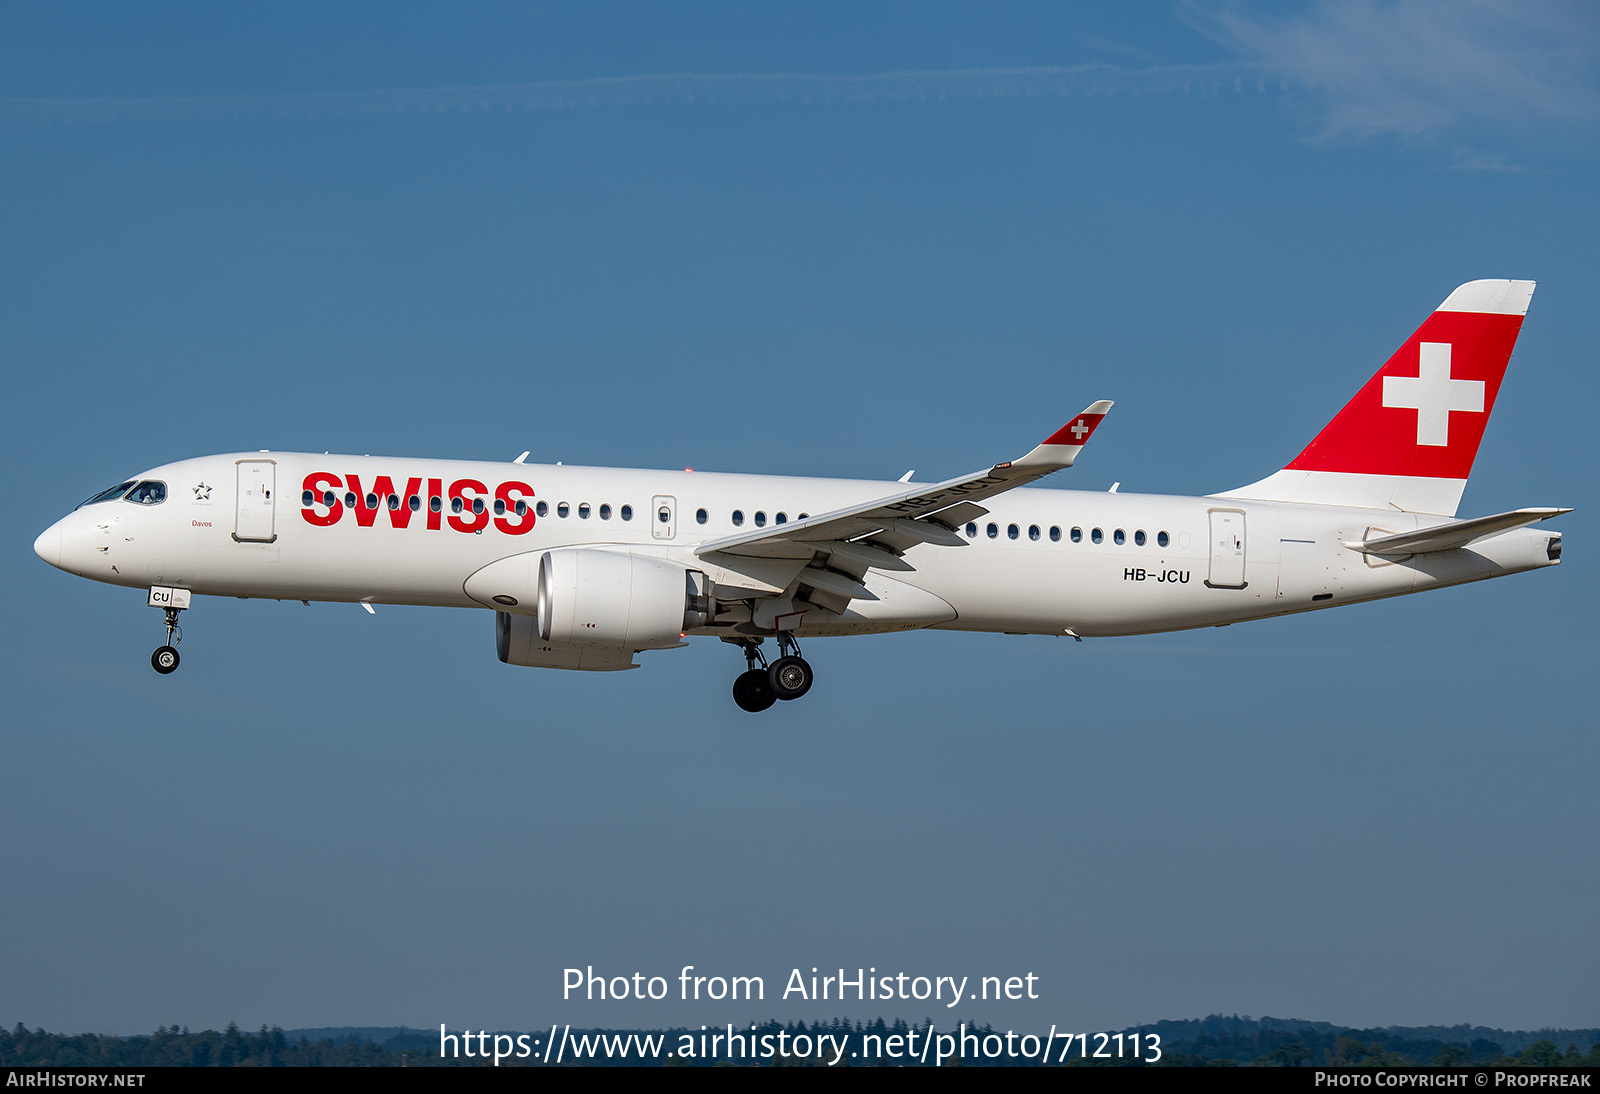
1290, 1055
1542, 1053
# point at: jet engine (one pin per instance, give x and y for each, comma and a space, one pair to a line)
517, 642
590, 596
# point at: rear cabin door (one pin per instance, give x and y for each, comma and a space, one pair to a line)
252, 521
1227, 549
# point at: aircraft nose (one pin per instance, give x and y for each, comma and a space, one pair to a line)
48, 545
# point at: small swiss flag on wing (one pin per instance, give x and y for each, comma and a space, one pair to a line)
1077, 431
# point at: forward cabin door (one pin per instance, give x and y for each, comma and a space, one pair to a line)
1227, 549
252, 521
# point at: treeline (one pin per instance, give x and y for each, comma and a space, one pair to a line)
1232, 1041
174, 1047
1215, 1041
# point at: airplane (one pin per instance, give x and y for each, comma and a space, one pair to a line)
585, 567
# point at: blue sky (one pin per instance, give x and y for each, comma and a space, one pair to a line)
896, 236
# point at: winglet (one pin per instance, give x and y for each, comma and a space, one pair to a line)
1062, 447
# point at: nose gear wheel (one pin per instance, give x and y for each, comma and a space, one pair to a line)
165, 659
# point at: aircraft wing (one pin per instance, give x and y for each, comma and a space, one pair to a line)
1447, 537
837, 548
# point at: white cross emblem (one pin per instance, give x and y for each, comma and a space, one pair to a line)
1079, 429
1433, 394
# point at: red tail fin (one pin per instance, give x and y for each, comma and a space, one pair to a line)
1409, 437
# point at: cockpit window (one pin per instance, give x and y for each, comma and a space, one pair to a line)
148, 493
108, 495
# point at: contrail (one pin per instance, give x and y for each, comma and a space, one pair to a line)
661, 89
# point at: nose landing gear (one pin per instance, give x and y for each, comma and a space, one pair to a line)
171, 602
165, 659
789, 677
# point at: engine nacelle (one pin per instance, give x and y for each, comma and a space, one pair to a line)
596, 596
517, 641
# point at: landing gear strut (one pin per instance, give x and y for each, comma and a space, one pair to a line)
761, 684
165, 659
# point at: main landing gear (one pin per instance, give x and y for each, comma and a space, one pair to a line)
165, 659
789, 677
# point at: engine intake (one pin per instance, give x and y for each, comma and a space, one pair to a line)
589, 596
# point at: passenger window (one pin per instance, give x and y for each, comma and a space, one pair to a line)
456, 505
993, 530
562, 509
306, 499
393, 501
328, 499
1011, 531
1033, 531
781, 518
1161, 539
1077, 535
972, 530
626, 512
477, 505
1119, 537
372, 501
542, 509
761, 518
521, 508
738, 518
664, 515
1055, 533
1138, 538
583, 510
802, 516
605, 511
414, 503
435, 504
701, 516
1097, 535
350, 500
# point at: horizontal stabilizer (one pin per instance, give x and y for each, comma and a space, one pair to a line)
1447, 537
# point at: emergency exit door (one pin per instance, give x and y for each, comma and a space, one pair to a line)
664, 516
254, 502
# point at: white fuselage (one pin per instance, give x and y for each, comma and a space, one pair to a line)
1139, 563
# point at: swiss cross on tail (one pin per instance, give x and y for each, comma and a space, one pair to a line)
1409, 437
1433, 394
